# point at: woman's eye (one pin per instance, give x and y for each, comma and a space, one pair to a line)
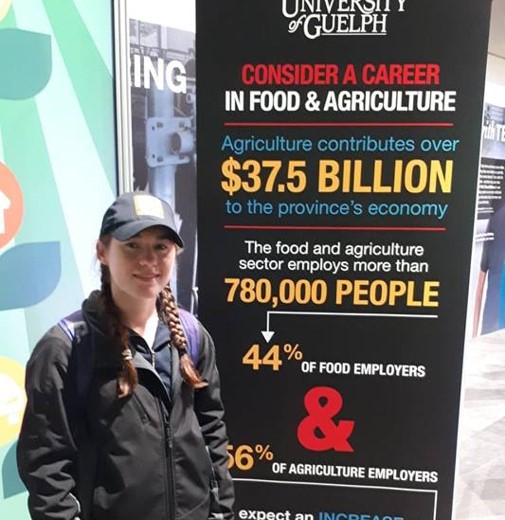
131, 245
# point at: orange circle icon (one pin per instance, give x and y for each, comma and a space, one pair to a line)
11, 205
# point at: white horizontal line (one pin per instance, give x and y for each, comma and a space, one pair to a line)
359, 486
367, 314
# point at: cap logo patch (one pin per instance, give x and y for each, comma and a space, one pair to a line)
145, 205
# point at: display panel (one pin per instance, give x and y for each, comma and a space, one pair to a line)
341, 154
57, 176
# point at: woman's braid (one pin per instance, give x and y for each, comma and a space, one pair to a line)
127, 377
169, 313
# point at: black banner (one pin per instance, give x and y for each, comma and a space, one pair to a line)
338, 156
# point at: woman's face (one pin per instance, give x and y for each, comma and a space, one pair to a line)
139, 267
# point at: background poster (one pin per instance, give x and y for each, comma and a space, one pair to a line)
163, 119
481, 454
57, 176
489, 252
340, 144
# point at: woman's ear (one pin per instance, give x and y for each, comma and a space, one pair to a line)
101, 252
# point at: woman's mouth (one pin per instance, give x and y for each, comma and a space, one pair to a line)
146, 277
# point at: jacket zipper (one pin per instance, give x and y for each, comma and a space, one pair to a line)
171, 495
169, 468
167, 446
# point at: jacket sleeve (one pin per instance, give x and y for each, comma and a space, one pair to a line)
210, 412
46, 452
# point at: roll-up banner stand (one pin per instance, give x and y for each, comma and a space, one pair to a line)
481, 458
338, 158
157, 115
57, 177
338, 150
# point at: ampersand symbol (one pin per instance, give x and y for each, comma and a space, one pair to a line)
318, 431
312, 103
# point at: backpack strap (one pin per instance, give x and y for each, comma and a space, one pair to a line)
73, 324
77, 384
192, 333
80, 365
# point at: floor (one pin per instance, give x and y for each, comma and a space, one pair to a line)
480, 475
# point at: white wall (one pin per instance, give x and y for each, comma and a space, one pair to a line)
496, 53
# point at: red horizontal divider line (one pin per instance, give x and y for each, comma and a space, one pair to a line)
335, 228
323, 124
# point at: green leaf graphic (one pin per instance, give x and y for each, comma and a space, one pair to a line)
29, 273
25, 63
11, 482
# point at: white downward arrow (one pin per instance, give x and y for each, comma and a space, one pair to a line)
267, 334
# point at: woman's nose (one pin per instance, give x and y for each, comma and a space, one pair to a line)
147, 256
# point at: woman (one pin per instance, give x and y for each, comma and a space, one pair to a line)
149, 442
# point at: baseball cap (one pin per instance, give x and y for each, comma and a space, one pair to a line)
135, 211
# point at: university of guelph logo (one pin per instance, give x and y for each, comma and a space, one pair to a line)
315, 18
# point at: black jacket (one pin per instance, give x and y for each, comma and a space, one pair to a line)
151, 456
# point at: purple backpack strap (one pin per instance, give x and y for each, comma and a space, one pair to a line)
80, 366
192, 332
82, 356
68, 323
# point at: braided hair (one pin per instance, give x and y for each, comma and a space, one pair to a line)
127, 377
168, 312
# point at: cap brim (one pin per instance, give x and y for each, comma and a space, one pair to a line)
131, 229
